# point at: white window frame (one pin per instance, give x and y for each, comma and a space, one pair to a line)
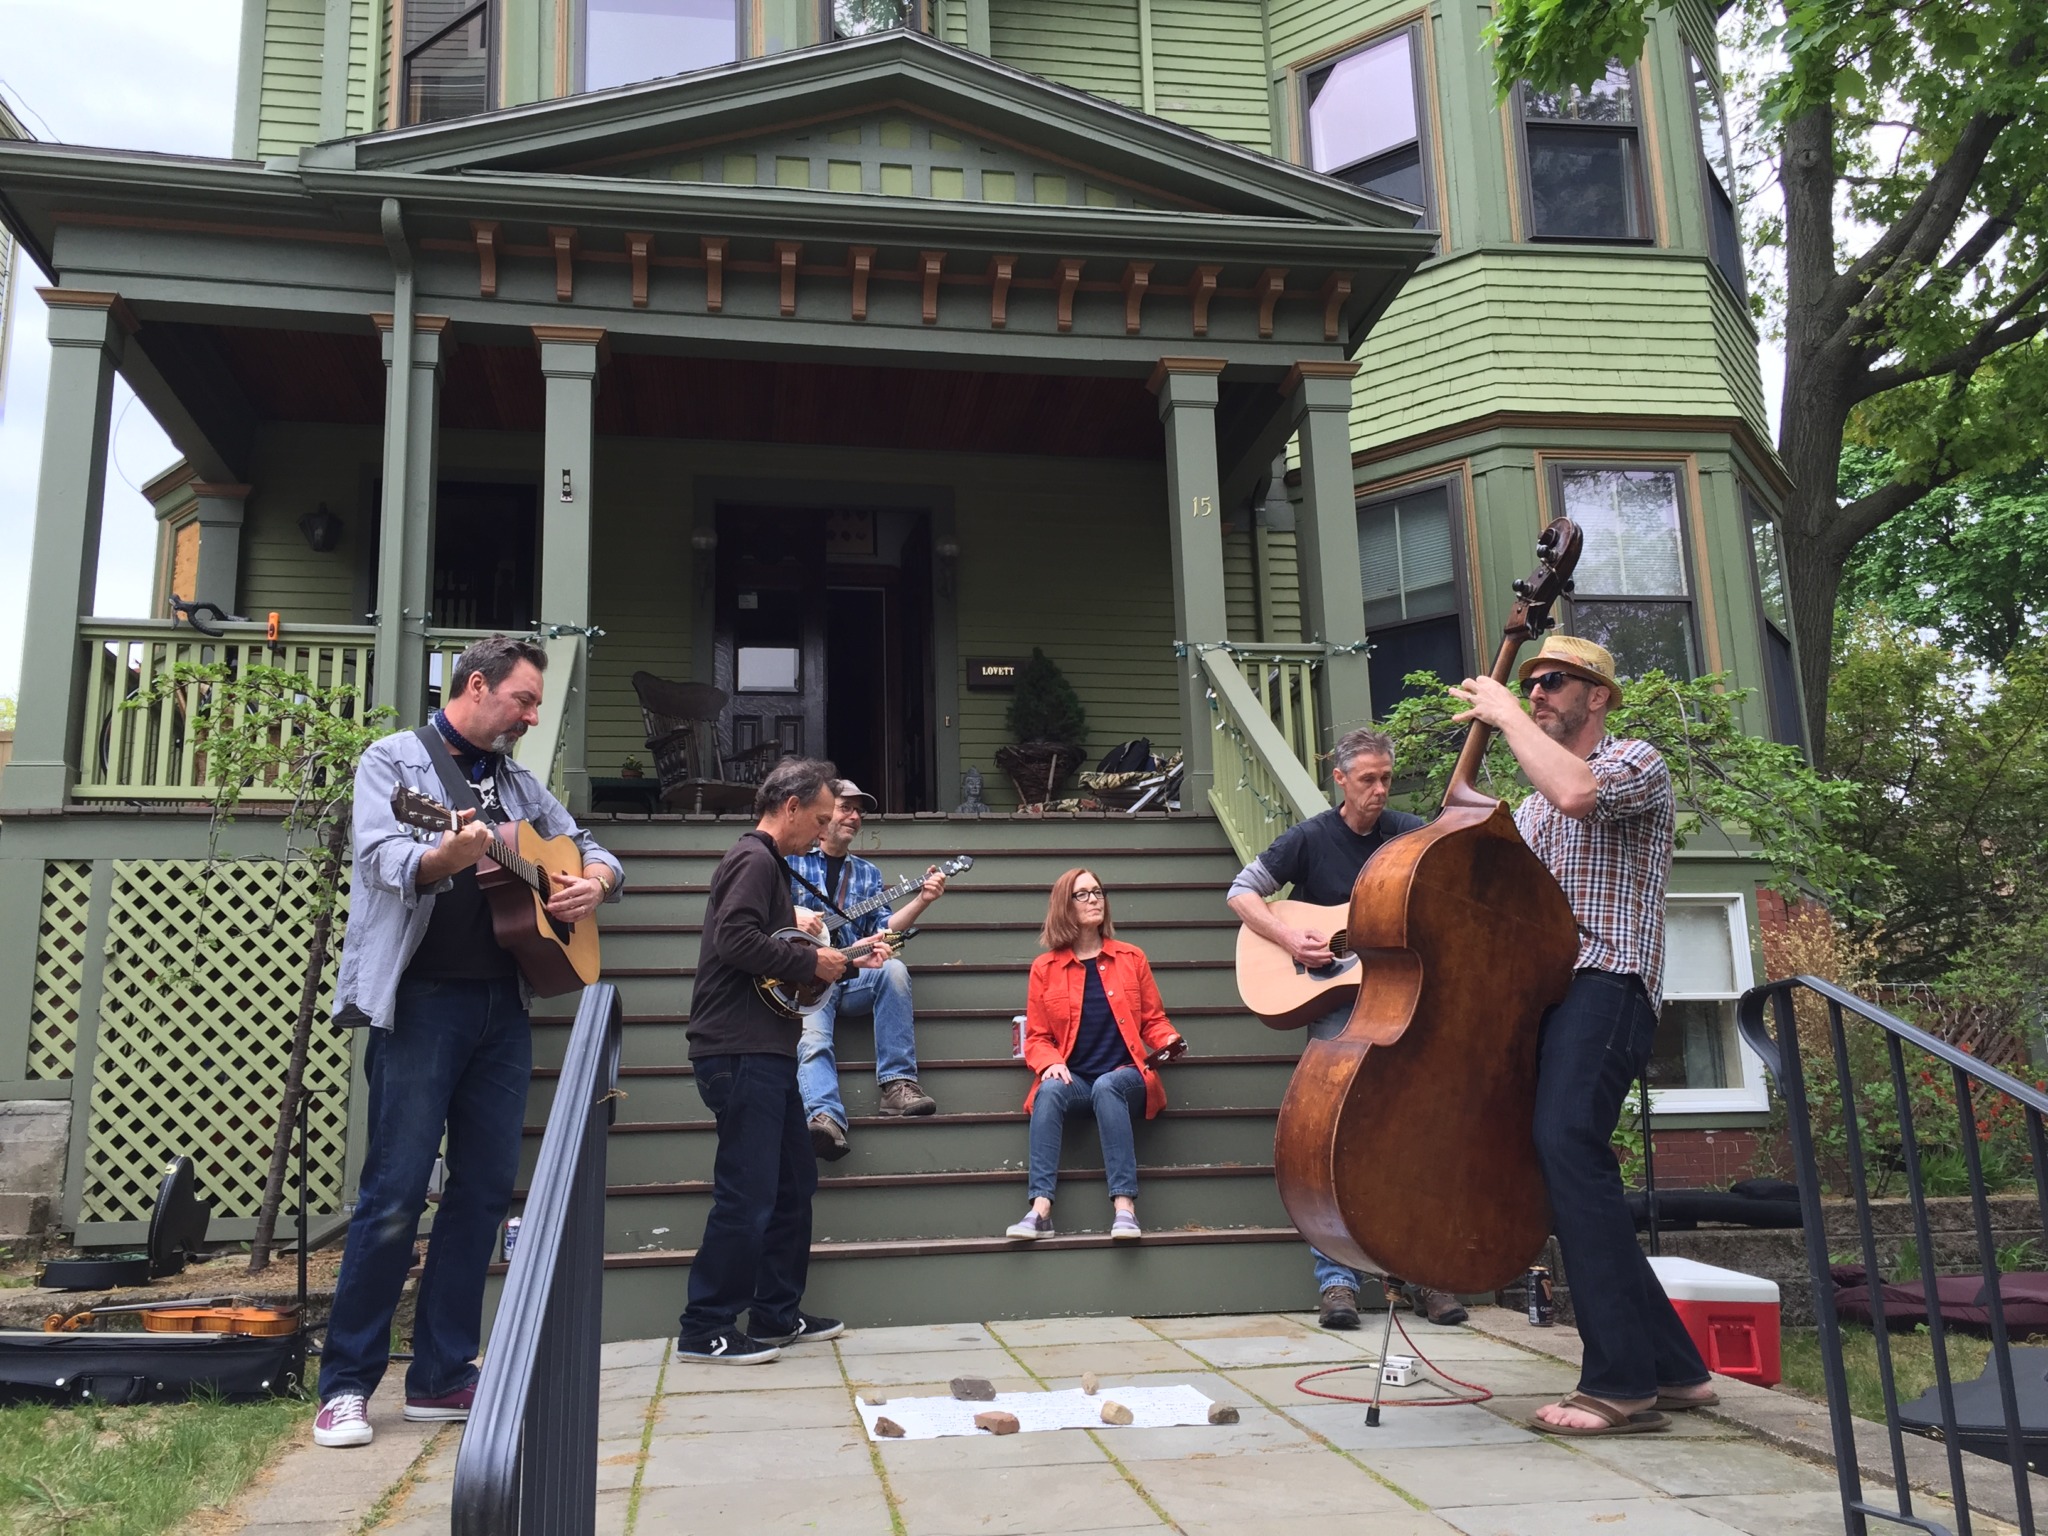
1751, 1095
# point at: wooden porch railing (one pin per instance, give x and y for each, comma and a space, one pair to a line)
540, 749
1283, 677
1262, 784
152, 753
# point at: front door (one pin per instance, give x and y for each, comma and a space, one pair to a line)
771, 629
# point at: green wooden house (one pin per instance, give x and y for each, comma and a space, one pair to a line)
1232, 352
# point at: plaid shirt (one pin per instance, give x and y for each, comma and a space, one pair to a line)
859, 881
1615, 864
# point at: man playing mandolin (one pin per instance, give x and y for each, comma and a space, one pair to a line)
756, 1251
1321, 858
1602, 821
448, 1045
849, 880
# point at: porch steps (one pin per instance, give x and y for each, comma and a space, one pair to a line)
907, 1227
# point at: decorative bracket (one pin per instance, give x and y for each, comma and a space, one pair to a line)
485, 233
638, 249
714, 273
1070, 279
1271, 284
1204, 289
863, 258
930, 262
563, 238
1336, 289
786, 253
1000, 270
1137, 276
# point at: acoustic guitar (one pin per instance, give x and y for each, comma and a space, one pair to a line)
1284, 993
801, 999
517, 873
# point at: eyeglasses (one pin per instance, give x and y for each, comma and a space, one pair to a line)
1549, 682
1093, 893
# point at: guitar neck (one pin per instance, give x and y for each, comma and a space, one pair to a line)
509, 859
880, 899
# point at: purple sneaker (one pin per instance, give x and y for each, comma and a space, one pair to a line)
448, 1408
342, 1421
1032, 1227
1125, 1228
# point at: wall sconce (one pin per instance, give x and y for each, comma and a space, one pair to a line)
322, 529
704, 540
947, 549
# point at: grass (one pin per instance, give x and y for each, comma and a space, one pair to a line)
98, 1471
1912, 1365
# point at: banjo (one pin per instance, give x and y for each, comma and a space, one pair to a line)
801, 999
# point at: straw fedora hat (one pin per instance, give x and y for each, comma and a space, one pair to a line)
1581, 658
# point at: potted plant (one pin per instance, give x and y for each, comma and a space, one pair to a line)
632, 768
1049, 723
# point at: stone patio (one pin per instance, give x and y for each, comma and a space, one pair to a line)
734, 1451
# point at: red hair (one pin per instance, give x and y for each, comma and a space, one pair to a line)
1062, 923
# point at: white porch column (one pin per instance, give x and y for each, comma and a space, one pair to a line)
1332, 598
569, 355
87, 334
1187, 391
405, 540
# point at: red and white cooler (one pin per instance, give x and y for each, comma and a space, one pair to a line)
1732, 1317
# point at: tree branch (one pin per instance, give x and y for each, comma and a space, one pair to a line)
1993, 336
1867, 513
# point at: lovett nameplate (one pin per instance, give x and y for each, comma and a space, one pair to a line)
992, 672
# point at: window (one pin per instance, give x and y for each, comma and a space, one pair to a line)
1774, 607
1698, 1061
630, 40
1583, 160
447, 70
1407, 565
1365, 120
1630, 591
1717, 175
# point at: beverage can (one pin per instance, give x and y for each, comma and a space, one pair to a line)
511, 1236
1017, 1037
1542, 1300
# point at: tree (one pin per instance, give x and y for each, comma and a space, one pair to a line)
266, 725
1726, 779
1968, 560
1908, 143
6, 711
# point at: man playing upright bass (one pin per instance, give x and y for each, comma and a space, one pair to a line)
1602, 821
1321, 858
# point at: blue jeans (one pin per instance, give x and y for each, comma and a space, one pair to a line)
459, 1055
1328, 1271
756, 1251
884, 993
1591, 1048
1116, 1100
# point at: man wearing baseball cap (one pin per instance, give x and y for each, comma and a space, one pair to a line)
1602, 820
885, 991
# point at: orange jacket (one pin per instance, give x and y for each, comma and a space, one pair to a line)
1052, 1012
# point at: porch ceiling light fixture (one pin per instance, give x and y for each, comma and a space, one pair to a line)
322, 530
947, 549
704, 540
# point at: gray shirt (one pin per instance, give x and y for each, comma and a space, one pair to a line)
388, 911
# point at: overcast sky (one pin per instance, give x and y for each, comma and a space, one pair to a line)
130, 74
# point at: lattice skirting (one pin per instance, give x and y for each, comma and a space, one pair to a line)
60, 968
203, 967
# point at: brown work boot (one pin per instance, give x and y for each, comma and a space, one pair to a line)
828, 1138
1440, 1307
903, 1097
1339, 1308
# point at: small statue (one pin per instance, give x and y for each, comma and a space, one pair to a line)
970, 785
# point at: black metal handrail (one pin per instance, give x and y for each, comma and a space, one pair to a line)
1781, 1054
528, 1461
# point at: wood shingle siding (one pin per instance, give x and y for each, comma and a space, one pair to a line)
1209, 68
292, 35
1303, 27
1091, 45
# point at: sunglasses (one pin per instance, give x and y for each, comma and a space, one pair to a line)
1549, 682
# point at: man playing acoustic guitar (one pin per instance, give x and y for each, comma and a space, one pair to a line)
1602, 819
1321, 858
756, 1251
448, 1045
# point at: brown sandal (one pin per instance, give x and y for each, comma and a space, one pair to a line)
1666, 1403
1615, 1422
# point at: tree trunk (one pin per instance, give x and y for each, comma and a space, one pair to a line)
328, 881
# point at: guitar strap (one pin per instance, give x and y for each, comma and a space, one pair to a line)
462, 795
830, 905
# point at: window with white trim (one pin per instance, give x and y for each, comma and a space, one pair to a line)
1365, 119
1630, 592
1408, 567
1699, 1061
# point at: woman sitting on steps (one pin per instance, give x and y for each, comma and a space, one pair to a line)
1094, 1031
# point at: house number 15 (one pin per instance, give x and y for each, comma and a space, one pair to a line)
1202, 506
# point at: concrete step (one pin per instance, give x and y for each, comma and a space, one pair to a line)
669, 1093
955, 1034
878, 1284
682, 1150
899, 1207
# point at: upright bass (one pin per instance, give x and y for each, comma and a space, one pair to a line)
1404, 1144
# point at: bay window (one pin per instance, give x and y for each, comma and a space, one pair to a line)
1582, 160
1407, 565
1365, 119
1630, 592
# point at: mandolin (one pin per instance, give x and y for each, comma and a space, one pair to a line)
516, 874
1405, 1145
801, 999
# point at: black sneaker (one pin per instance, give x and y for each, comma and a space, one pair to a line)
808, 1329
1339, 1309
828, 1138
728, 1346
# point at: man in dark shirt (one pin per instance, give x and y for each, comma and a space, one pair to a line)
756, 1250
1321, 858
